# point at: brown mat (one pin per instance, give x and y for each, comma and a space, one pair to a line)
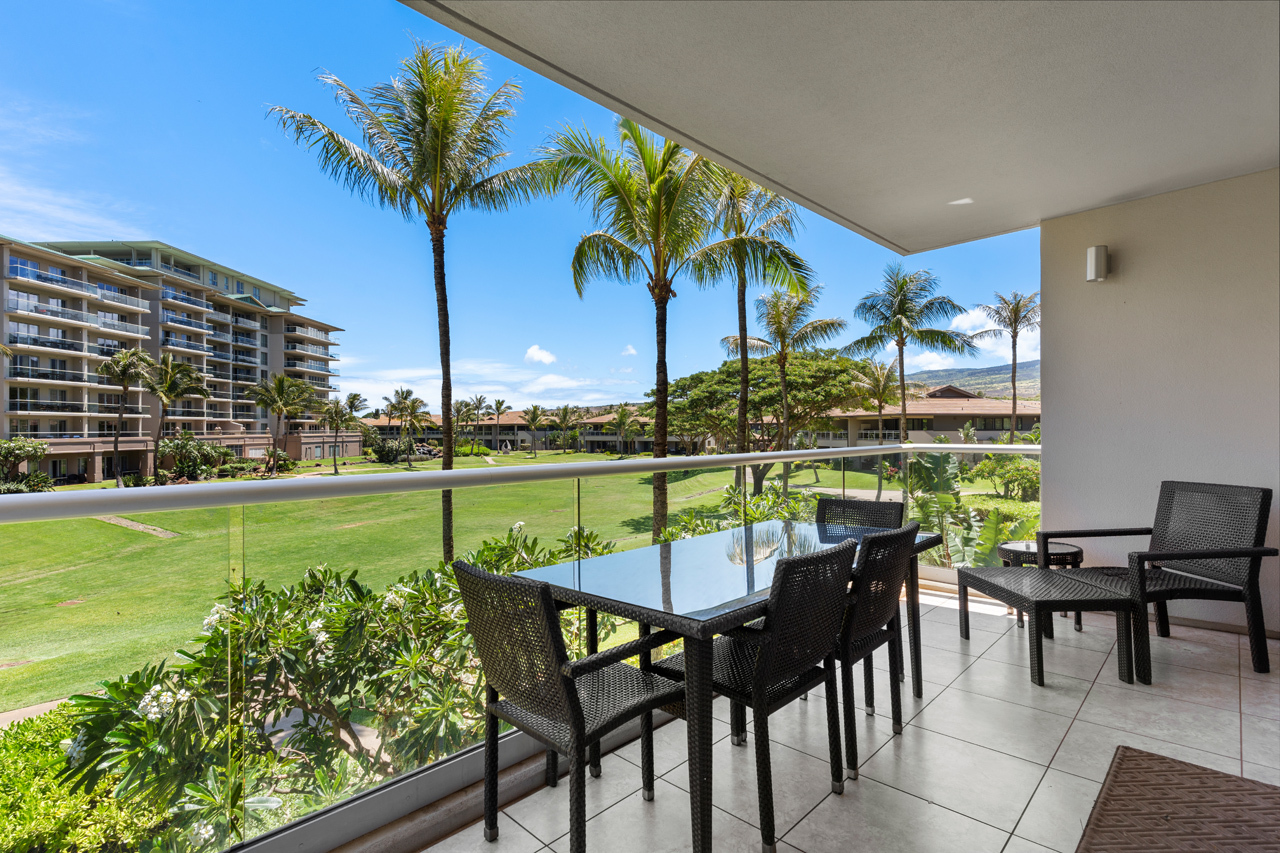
1150, 803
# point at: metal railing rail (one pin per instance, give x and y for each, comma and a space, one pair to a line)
59, 505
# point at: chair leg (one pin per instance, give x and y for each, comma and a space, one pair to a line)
1162, 619
577, 799
833, 726
491, 770
1079, 622
553, 768
964, 612
895, 687
593, 760
850, 732
1257, 630
1141, 644
1124, 645
646, 755
1046, 624
737, 723
1035, 634
1019, 618
764, 781
869, 684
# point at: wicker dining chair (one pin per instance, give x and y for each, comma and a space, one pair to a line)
773, 661
1206, 543
841, 518
566, 705
874, 620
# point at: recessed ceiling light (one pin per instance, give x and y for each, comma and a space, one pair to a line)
961, 201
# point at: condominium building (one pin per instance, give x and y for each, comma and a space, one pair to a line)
69, 306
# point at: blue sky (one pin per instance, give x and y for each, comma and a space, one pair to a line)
131, 119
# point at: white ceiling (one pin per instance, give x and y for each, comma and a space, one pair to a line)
876, 114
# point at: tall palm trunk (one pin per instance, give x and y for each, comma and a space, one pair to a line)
879, 459
785, 443
744, 364
159, 436
446, 388
902, 423
334, 451
660, 416
115, 452
1013, 381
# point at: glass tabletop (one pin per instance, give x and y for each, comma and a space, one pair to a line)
702, 577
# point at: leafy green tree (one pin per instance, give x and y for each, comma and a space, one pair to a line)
1011, 315
17, 450
565, 420
336, 415
415, 418
500, 408
535, 416
625, 425
878, 384
433, 136
480, 409
126, 369
394, 409
169, 380
285, 397
786, 328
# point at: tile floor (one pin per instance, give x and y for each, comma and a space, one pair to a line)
987, 761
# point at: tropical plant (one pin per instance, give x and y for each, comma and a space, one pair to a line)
433, 138
480, 409
535, 417
461, 417
756, 224
126, 368
394, 404
877, 382
414, 418
17, 450
565, 420
336, 415
169, 380
500, 408
786, 328
1011, 315
653, 204
285, 397
626, 426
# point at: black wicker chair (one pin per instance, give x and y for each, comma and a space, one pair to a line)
774, 661
839, 519
1206, 543
873, 620
567, 705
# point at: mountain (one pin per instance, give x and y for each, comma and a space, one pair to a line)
991, 381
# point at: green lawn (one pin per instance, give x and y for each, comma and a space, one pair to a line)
84, 600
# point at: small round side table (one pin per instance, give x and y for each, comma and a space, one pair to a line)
1023, 553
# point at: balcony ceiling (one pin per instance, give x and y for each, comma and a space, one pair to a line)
876, 115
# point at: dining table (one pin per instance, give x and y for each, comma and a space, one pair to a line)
697, 588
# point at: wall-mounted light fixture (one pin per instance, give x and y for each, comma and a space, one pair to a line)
1096, 263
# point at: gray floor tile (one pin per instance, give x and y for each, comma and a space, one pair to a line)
941, 635
1203, 635
1261, 740
1059, 811
803, 726
670, 745
1171, 720
937, 665
911, 706
1246, 662
1214, 689
800, 782
1061, 694
983, 617
874, 818
545, 812
1260, 698
1065, 660
1088, 749
1003, 726
1270, 775
1197, 654
1022, 845
512, 838
662, 826
986, 785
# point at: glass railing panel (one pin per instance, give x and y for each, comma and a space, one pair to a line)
115, 675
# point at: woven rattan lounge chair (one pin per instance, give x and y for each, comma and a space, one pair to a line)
566, 705
839, 519
774, 661
873, 620
1206, 543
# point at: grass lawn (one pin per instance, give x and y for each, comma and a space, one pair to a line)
83, 600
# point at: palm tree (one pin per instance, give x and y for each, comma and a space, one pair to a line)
285, 397
784, 320
433, 137
899, 313
500, 408
169, 380
755, 221
126, 368
564, 420
461, 417
877, 384
624, 423
1011, 315
336, 415
534, 416
653, 203
480, 409
394, 407
415, 417
356, 403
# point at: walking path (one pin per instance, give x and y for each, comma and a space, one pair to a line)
141, 528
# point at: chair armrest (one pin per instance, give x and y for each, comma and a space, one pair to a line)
1202, 554
1043, 537
617, 654
749, 634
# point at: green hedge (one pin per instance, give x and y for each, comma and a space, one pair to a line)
39, 814
1010, 508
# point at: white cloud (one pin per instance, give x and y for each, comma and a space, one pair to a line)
29, 211
971, 321
536, 353
621, 369
628, 350
928, 361
998, 350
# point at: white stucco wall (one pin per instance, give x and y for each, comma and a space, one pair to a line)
1170, 369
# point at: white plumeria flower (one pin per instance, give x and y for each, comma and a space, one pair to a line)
76, 749
157, 704
216, 615
202, 831
184, 695
518, 526
316, 626
393, 601
322, 638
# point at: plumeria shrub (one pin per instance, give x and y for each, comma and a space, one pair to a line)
332, 687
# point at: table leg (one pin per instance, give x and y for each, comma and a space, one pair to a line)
697, 692
1035, 616
913, 627
593, 646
